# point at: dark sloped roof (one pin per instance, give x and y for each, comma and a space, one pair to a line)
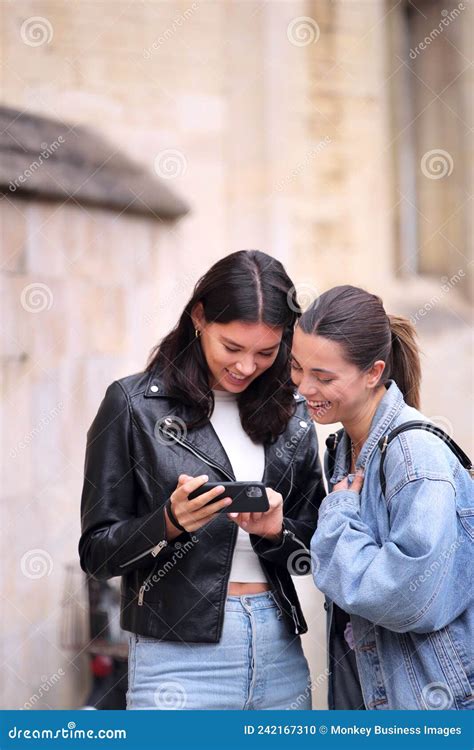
45, 158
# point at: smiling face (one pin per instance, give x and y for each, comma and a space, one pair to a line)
237, 353
336, 390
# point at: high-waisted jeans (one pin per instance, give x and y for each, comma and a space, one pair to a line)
258, 664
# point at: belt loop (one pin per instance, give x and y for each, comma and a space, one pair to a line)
280, 613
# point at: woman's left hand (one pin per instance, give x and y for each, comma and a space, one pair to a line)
268, 524
356, 485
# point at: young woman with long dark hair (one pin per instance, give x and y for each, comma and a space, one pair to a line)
393, 548
207, 596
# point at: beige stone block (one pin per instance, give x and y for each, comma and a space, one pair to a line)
13, 234
116, 248
203, 114
15, 333
96, 318
81, 386
36, 63
49, 230
15, 411
37, 308
48, 428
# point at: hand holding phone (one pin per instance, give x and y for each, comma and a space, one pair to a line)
268, 524
192, 514
247, 497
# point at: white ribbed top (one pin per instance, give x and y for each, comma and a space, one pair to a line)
248, 464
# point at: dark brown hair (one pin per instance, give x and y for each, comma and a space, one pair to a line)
357, 321
248, 286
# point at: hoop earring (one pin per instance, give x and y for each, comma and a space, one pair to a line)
197, 333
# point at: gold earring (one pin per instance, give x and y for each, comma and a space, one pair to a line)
196, 333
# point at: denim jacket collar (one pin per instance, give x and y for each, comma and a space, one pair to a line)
388, 409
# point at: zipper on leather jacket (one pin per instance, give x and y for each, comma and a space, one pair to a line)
294, 613
296, 619
153, 551
197, 453
287, 532
141, 591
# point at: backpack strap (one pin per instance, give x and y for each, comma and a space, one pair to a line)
385, 441
332, 441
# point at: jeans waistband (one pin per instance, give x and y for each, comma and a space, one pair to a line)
264, 600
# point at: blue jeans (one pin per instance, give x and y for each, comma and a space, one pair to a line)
258, 664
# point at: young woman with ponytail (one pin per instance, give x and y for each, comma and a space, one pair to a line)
394, 557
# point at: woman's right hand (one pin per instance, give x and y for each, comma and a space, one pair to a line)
192, 514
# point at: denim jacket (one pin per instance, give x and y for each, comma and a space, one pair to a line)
401, 566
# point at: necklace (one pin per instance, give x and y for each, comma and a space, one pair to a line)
353, 455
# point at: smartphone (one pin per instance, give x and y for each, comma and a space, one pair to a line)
247, 497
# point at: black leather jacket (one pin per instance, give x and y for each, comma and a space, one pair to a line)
176, 591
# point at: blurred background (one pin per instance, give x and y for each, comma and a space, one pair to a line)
141, 141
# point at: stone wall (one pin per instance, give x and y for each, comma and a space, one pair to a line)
274, 141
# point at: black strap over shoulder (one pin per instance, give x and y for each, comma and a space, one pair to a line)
332, 441
385, 441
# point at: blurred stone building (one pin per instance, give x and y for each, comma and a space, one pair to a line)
332, 134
